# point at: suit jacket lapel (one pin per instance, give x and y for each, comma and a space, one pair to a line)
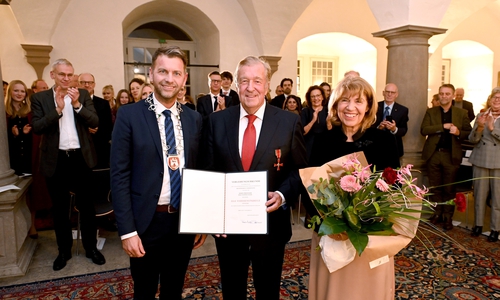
232, 133
187, 131
269, 126
151, 121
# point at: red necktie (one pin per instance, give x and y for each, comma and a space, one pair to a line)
248, 147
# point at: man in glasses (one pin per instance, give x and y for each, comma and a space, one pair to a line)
392, 116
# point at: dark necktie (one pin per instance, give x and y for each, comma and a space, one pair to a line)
248, 147
215, 103
386, 112
175, 176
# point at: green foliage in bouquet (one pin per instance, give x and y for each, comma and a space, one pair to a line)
362, 203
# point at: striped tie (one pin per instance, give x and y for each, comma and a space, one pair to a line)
175, 177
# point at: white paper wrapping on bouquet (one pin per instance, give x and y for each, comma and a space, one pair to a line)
378, 246
336, 254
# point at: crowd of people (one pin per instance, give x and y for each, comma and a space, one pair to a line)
60, 134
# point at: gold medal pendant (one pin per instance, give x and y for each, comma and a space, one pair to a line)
173, 162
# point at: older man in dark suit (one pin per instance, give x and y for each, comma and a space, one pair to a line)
392, 116
102, 133
461, 103
152, 141
446, 127
63, 115
256, 136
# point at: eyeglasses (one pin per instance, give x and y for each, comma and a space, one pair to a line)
390, 92
86, 82
316, 96
495, 98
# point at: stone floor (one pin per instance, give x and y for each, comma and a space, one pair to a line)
41, 265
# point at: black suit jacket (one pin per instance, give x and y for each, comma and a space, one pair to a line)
235, 99
205, 105
46, 122
399, 114
469, 108
280, 130
137, 162
279, 100
102, 137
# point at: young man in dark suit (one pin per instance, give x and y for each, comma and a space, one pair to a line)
152, 141
63, 115
255, 136
213, 101
392, 116
227, 81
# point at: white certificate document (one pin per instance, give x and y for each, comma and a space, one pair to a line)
223, 203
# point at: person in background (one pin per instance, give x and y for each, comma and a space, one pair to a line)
464, 104
227, 81
20, 136
392, 116
182, 98
108, 94
123, 97
352, 73
327, 88
313, 116
39, 85
279, 90
287, 85
485, 160
134, 88
5, 85
446, 127
292, 104
101, 134
146, 89
63, 115
435, 100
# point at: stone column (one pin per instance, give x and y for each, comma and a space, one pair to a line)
273, 63
407, 67
16, 248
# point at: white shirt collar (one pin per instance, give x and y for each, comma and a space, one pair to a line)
259, 113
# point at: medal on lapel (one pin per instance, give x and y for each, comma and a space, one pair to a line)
173, 162
278, 164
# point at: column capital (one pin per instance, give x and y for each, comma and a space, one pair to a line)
38, 57
273, 62
412, 31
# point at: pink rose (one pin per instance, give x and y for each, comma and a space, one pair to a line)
382, 185
349, 183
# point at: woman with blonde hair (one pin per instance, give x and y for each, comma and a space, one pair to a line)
485, 160
23, 156
352, 110
108, 94
146, 89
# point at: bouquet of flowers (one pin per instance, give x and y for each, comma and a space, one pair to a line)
361, 203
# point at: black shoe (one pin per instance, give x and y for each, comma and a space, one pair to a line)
96, 256
60, 261
435, 219
493, 236
477, 230
448, 225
